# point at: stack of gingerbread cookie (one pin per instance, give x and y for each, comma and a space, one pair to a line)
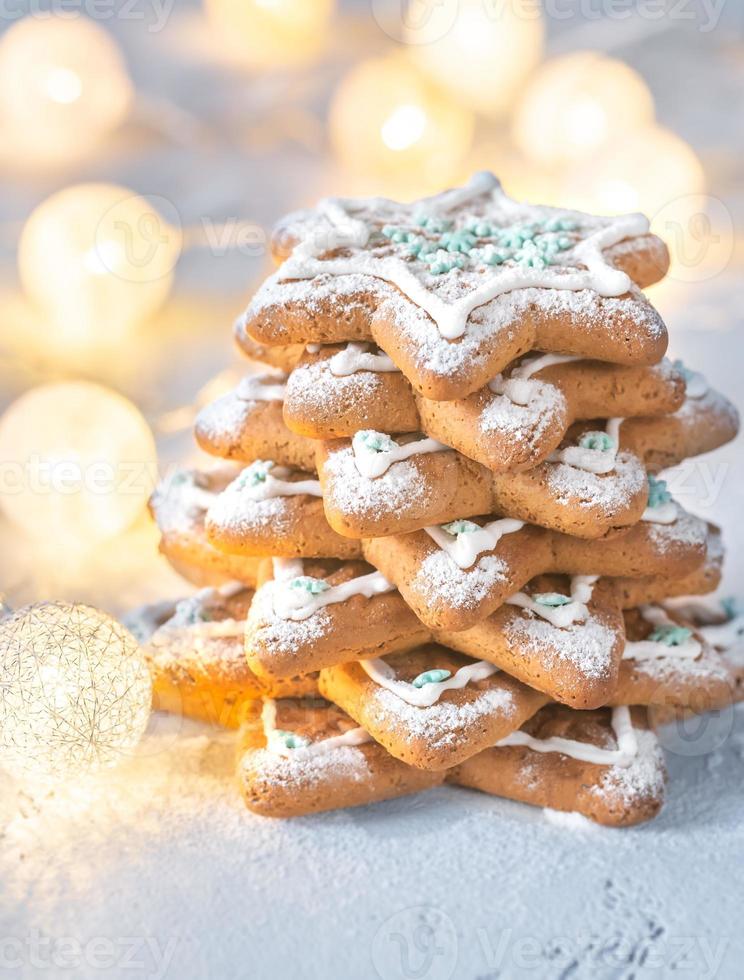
436, 547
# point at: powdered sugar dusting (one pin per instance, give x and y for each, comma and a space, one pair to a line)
319, 294
316, 389
588, 645
283, 635
442, 580
307, 771
611, 492
225, 418
444, 723
642, 779
236, 511
392, 493
180, 502
686, 530
525, 423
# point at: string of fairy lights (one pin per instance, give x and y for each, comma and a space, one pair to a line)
464, 88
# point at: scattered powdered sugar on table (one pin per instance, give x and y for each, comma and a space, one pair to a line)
569, 820
390, 493
443, 581
588, 645
444, 722
611, 492
172, 816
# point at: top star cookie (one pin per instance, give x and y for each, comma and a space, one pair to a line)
456, 286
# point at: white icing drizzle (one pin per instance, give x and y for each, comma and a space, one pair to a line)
262, 388
517, 386
424, 697
372, 464
275, 744
612, 428
575, 611
451, 317
465, 547
598, 461
298, 604
696, 384
272, 483
359, 357
663, 514
654, 649
623, 755
313, 348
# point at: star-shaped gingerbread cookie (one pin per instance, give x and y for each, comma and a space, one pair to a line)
456, 286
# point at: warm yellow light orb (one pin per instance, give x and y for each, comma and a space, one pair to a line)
576, 104
480, 52
63, 86
270, 33
97, 259
654, 171
645, 170
77, 463
389, 123
76, 691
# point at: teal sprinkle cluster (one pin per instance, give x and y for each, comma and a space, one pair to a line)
551, 599
441, 261
431, 677
305, 583
533, 246
670, 636
433, 224
461, 527
657, 492
597, 440
458, 241
256, 473
376, 442
291, 740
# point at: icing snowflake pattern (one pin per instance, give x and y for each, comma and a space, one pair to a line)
461, 249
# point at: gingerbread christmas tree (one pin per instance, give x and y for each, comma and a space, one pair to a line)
436, 546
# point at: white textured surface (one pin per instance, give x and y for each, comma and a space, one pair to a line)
163, 862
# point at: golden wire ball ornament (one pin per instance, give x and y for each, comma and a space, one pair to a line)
75, 691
